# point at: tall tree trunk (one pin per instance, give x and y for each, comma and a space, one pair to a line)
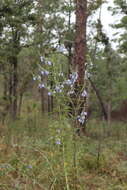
79, 60
45, 100
5, 86
10, 86
44, 97
109, 81
14, 87
14, 72
69, 46
50, 100
20, 104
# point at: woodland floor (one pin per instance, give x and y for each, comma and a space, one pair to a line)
36, 154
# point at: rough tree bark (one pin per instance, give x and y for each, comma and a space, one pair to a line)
13, 81
79, 59
69, 44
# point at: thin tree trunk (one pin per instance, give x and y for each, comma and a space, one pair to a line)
99, 99
5, 87
69, 47
20, 104
14, 72
5, 98
109, 112
44, 97
109, 81
45, 100
14, 88
10, 87
50, 100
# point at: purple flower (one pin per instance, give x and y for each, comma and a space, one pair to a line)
42, 72
82, 117
72, 80
58, 142
84, 94
61, 49
46, 72
41, 85
58, 89
49, 93
74, 77
49, 63
84, 113
68, 82
81, 120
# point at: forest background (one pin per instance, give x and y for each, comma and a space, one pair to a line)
63, 97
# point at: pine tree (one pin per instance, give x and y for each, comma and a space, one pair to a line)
15, 18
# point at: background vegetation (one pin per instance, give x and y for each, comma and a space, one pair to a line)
42, 146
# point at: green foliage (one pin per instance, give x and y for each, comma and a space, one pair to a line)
121, 9
44, 151
53, 157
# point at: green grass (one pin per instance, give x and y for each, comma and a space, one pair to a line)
44, 154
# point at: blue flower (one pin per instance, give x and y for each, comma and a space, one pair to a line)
72, 79
49, 93
42, 72
82, 117
58, 89
46, 72
58, 142
41, 85
84, 94
68, 82
48, 63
